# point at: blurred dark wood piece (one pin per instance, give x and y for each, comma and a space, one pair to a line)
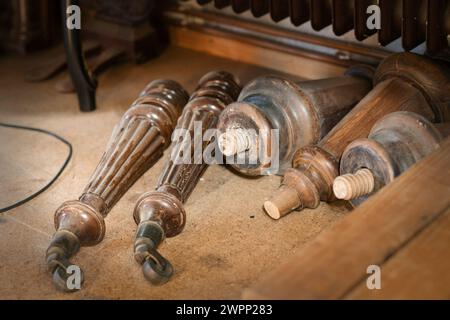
58, 62
320, 14
259, 7
416, 21
361, 30
343, 16
240, 6
391, 21
279, 9
133, 26
29, 25
97, 65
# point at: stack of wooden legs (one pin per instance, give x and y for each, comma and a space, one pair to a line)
323, 128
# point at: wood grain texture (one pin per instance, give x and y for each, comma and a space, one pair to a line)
418, 271
394, 144
332, 265
254, 52
388, 96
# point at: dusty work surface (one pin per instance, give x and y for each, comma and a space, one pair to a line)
228, 241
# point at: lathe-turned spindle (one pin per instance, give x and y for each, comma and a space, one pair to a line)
404, 81
302, 113
161, 213
136, 143
395, 143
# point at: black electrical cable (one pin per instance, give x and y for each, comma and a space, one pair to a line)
69, 156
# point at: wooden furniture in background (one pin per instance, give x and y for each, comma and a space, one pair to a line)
122, 24
133, 26
266, 45
415, 22
29, 25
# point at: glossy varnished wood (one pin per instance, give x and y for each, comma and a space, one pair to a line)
301, 112
401, 229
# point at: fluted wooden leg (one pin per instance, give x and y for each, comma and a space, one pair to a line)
136, 143
161, 213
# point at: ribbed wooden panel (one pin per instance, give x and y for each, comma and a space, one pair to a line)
416, 21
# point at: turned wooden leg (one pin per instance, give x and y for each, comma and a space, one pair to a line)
161, 213
302, 113
136, 143
404, 82
394, 144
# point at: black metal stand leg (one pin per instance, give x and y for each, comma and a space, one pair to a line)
85, 85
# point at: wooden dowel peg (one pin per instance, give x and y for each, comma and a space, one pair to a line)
354, 185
